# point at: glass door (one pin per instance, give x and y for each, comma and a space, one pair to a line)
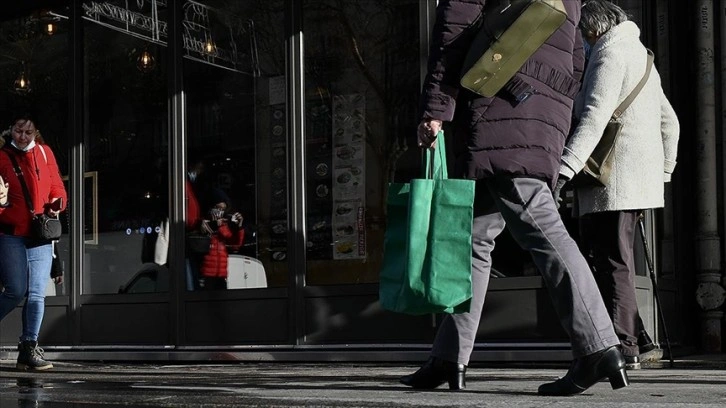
34, 80
237, 174
125, 283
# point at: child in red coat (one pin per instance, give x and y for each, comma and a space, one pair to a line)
224, 230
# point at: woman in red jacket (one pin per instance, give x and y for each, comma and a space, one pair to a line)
224, 231
25, 261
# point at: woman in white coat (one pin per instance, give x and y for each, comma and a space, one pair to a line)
644, 158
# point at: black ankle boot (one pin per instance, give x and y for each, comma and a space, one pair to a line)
436, 372
645, 343
30, 357
588, 370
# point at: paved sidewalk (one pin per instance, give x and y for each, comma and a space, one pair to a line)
339, 385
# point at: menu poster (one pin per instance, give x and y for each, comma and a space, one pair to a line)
319, 179
348, 178
278, 183
276, 88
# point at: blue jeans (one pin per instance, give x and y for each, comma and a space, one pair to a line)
24, 271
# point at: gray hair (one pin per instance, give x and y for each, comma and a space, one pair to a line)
599, 16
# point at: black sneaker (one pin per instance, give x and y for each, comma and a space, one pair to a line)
30, 357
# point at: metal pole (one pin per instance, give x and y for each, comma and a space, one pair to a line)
653, 280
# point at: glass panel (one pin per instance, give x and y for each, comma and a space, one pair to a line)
362, 64
234, 80
34, 79
126, 196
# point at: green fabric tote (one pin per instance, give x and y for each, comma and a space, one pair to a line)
427, 246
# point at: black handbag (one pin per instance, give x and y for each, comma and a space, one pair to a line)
598, 166
42, 226
46, 227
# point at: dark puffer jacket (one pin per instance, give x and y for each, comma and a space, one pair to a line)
495, 135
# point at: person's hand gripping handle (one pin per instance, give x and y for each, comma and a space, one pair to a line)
427, 131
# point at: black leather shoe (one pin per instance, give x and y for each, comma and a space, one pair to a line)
632, 362
646, 348
586, 371
645, 343
436, 372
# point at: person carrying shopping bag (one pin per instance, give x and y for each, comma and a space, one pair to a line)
30, 186
511, 143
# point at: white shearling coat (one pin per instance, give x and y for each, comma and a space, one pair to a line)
645, 152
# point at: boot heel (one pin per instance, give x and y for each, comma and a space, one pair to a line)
457, 382
619, 379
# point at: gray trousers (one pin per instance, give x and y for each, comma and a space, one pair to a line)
527, 207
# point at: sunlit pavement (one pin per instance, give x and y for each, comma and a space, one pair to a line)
692, 383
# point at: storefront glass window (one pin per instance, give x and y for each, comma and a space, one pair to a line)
34, 79
234, 79
126, 188
362, 80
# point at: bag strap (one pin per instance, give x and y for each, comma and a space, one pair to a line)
19, 173
435, 162
624, 105
44, 156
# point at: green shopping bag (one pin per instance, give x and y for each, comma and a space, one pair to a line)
427, 245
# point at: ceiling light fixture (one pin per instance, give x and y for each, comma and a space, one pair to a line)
209, 46
48, 21
22, 82
145, 62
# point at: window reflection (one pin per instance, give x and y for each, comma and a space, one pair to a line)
127, 146
362, 86
237, 148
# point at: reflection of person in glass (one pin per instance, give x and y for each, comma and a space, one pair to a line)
193, 218
25, 261
511, 144
224, 230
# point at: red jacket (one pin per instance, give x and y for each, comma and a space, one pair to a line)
193, 216
42, 176
214, 264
